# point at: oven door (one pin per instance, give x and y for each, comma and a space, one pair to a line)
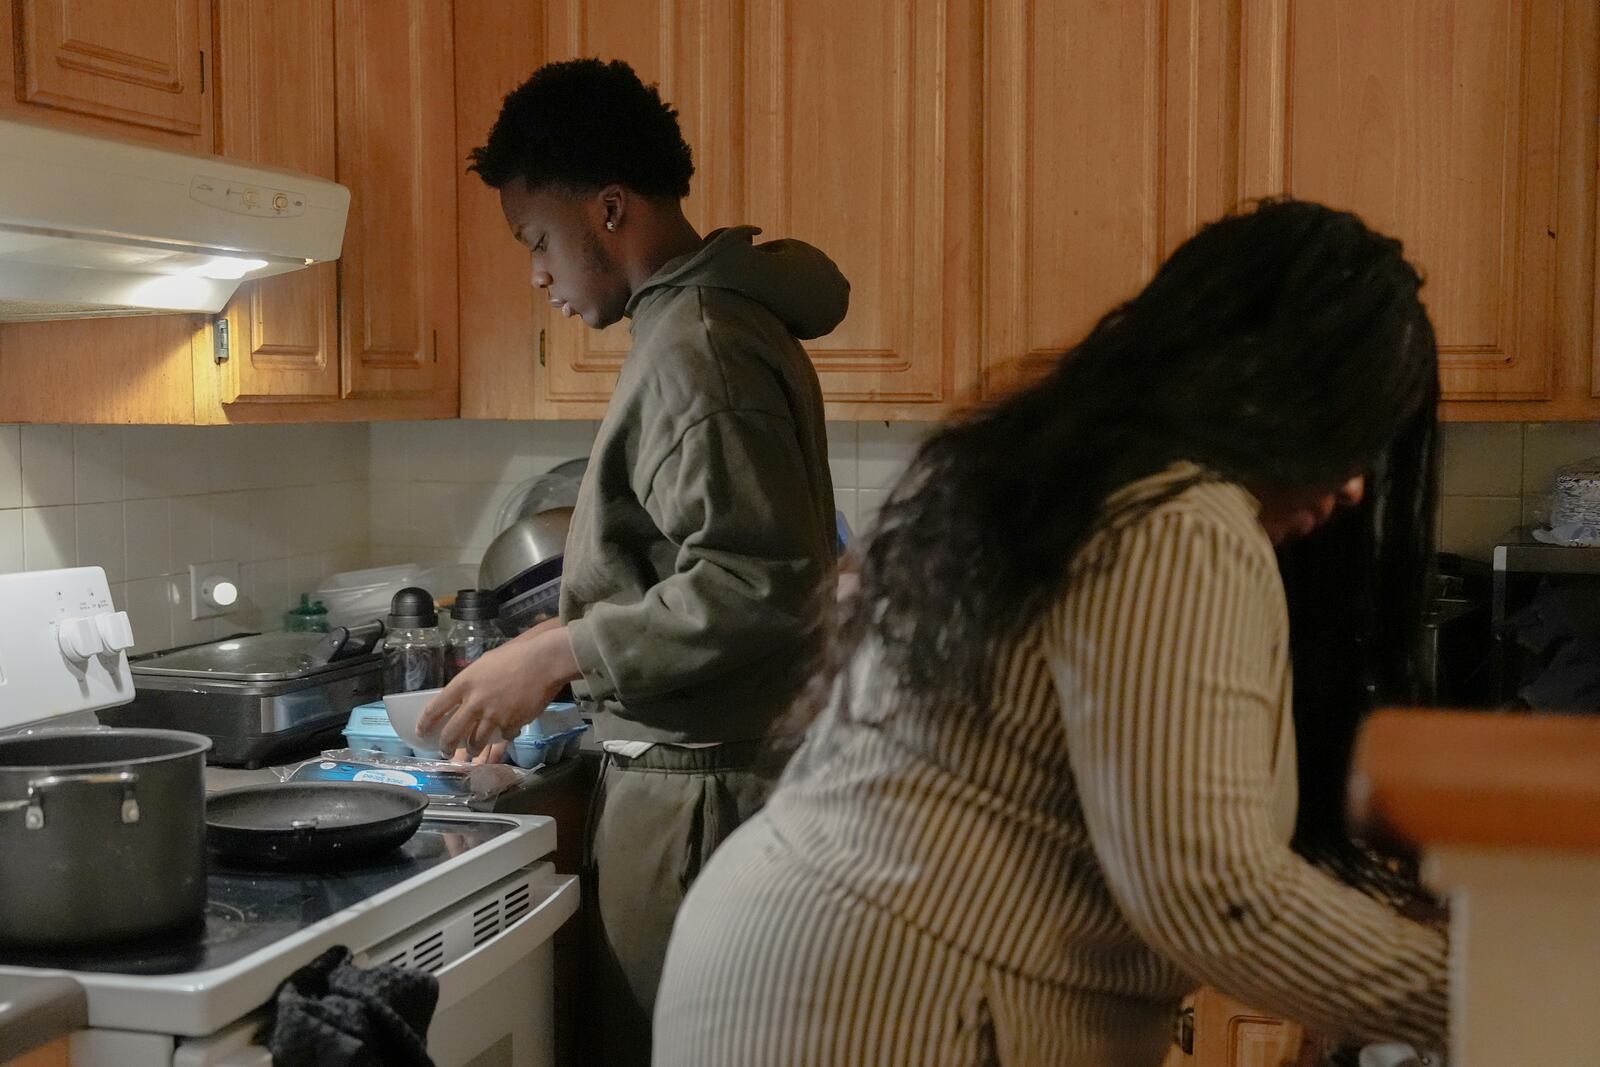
493, 957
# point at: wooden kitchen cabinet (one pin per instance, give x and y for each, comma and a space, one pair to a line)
847, 125
1226, 1033
397, 274
1109, 134
120, 68
278, 109
1466, 128
861, 125
360, 90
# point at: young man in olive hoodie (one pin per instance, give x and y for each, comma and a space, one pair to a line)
704, 529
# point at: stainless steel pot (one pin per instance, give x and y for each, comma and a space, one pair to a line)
102, 834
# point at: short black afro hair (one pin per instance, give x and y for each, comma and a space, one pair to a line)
584, 124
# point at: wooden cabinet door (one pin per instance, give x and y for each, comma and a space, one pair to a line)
688, 48
396, 132
277, 108
1109, 133
136, 63
497, 47
1229, 1034
858, 120
1438, 121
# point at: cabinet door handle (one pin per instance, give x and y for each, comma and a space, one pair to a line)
541, 348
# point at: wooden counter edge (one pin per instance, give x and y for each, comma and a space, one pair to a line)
1428, 778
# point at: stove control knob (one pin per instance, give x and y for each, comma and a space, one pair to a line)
116, 632
79, 639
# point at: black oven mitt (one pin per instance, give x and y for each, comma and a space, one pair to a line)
331, 1013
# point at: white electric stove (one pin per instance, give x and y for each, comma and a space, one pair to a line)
467, 898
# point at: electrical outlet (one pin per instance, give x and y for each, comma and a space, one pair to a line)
213, 588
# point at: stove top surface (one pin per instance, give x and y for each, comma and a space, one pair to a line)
248, 910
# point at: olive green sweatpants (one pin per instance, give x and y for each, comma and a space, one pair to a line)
656, 820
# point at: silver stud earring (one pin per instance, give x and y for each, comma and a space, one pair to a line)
611, 224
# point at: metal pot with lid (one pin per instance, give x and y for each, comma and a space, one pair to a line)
103, 833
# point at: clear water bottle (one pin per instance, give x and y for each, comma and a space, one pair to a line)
473, 632
413, 650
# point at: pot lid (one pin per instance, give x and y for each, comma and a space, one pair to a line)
251, 658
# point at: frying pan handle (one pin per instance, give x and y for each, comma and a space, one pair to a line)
33, 803
37, 1011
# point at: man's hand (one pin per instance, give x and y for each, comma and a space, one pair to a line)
503, 691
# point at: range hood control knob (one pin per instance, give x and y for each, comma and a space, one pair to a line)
116, 632
79, 639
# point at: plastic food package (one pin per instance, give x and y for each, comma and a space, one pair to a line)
355, 597
445, 784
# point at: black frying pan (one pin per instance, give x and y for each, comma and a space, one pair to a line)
301, 824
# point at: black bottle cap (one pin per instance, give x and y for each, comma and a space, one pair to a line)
412, 609
475, 605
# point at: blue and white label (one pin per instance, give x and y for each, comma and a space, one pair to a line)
410, 781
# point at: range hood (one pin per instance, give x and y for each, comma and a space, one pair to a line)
92, 227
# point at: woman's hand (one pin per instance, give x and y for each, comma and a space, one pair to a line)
503, 691
495, 753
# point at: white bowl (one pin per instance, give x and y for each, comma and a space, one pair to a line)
404, 710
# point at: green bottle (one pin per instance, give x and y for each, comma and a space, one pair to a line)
309, 617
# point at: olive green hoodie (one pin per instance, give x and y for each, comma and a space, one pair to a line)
705, 526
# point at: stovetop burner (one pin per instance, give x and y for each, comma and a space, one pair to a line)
247, 910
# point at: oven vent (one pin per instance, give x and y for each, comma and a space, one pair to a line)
518, 902
428, 954
437, 943
485, 922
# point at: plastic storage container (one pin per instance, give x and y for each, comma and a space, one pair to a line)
355, 597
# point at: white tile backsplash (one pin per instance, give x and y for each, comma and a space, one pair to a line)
293, 504
11, 554
1481, 459
47, 466
144, 502
884, 449
1473, 525
102, 538
97, 464
10, 468
147, 526
49, 538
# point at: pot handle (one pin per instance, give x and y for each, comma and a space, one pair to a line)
34, 801
37, 1011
